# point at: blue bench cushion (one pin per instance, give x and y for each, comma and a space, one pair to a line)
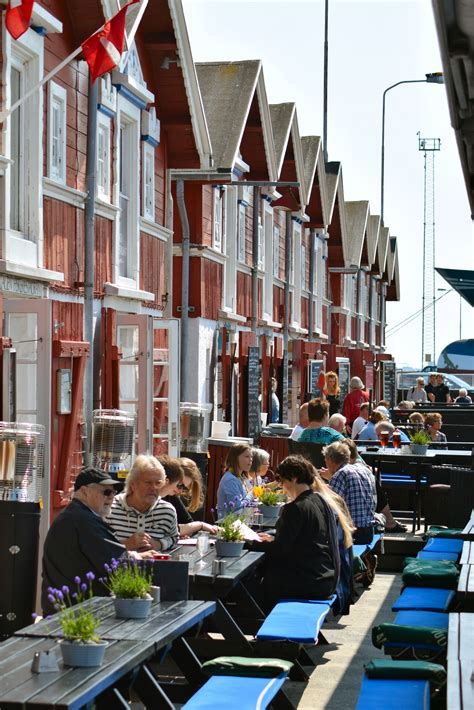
440, 544
298, 621
424, 598
235, 693
433, 619
394, 694
429, 555
358, 550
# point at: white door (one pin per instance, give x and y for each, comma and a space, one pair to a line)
133, 344
165, 378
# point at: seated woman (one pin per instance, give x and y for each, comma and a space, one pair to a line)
318, 431
433, 424
183, 478
258, 469
232, 491
302, 560
368, 433
416, 421
463, 397
141, 519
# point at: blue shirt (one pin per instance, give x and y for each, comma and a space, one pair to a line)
368, 433
322, 435
231, 490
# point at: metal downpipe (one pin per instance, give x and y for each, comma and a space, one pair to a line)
185, 250
312, 237
286, 302
255, 214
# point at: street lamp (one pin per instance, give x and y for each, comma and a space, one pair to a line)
433, 78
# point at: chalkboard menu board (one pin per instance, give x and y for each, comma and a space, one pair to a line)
344, 372
253, 404
314, 369
284, 389
388, 381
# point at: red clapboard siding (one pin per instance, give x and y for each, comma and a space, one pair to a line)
244, 294
278, 304
103, 253
63, 240
260, 299
207, 214
211, 288
152, 266
305, 313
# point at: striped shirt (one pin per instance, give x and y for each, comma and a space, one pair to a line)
159, 521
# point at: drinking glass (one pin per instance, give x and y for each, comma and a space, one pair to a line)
396, 439
384, 437
202, 543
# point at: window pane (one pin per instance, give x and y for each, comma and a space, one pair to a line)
16, 152
127, 341
26, 388
22, 329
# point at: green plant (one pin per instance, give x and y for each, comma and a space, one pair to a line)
266, 495
420, 438
78, 623
127, 579
229, 525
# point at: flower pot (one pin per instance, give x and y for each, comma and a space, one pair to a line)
419, 449
270, 511
132, 608
225, 548
82, 655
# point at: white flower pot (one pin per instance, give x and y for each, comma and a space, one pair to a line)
132, 608
82, 655
224, 548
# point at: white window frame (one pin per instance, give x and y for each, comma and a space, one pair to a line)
261, 245
295, 268
349, 280
148, 181
276, 251
128, 118
57, 98
320, 275
241, 232
104, 126
268, 278
24, 246
291, 255
231, 228
303, 266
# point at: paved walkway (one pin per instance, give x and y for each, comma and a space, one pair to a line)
336, 680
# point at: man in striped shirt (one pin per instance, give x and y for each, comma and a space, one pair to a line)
140, 518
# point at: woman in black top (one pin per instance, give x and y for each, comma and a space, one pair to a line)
333, 393
302, 560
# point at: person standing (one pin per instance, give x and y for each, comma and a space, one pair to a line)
352, 401
442, 395
431, 387
333, 393
275, 418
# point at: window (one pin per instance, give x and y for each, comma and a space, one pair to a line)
261, 245
148, 182
103, 157
303, 266
126, 234
291, 255
57, 133
17, 170
230, 273
218, 217
241, 232
276, 251
269, 248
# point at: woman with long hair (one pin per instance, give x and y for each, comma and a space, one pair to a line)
232, 491
332, 392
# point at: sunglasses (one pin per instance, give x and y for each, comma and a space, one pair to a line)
108, 491
182, 487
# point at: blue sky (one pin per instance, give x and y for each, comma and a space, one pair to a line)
372, 45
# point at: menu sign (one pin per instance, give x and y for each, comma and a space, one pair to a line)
314, 370
388, 381
344, 371
253, 403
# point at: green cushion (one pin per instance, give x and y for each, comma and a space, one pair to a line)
422, 563
439, 531
431, 573
240, 666
382, 668
358, 565
409, 636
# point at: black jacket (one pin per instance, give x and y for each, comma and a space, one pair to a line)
78, 541
299, 563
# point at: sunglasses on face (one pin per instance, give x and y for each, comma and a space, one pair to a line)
108, 491
182, 487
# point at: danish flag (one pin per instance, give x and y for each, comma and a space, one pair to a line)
18, 16
103, 50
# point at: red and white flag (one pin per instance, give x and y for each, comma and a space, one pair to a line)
18, 16
103, 50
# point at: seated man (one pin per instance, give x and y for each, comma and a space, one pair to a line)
302, 424
140, 518
79, 540
361, 420
318, 431
356, 485
338, 423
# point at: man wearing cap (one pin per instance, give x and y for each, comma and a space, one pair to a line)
79, 540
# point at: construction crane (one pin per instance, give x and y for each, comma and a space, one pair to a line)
429, 146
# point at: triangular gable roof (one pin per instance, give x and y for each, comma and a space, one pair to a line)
289, 155
382, 250
234, 93
282, 117
315, 180
338, 242
393, 291
332, 180
373, 228
357, 214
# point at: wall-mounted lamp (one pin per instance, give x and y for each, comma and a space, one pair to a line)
167, 61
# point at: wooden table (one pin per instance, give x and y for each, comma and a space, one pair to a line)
468, 530
131, 644
460, 662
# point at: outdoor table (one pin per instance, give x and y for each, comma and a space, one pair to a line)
131, 644
419, 462
468, 530
460, 692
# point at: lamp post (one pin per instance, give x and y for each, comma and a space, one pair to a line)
433, 78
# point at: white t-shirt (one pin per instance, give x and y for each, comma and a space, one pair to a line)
357, 426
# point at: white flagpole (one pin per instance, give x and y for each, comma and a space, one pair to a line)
5, 114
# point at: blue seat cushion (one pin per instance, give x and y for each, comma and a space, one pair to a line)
235, 693
358, 550
433, 619
429, 555
394, 694
424, 598
440, 544
298, 621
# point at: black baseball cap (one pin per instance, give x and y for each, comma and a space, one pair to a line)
94, 475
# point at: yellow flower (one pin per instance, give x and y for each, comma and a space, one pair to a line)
258, 491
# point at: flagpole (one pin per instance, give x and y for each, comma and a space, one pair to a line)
5, 114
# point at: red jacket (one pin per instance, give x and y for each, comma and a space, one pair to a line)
352, 402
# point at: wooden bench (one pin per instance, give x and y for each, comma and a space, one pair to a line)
460, 695
424, 599
297, 621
